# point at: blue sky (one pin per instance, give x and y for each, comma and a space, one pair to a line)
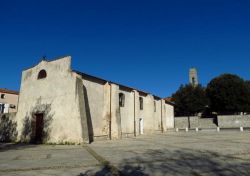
149, 45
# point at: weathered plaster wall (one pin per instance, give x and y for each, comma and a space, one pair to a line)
97, 98
194, 122
169, 116
136, 112
151, 118
163, 115
142, 114
80, 108
127, 114
186, 122
207, 123
56, 96
115, 125
157, 116
234, 121
131, 114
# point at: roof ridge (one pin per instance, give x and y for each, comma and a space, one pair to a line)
140, 91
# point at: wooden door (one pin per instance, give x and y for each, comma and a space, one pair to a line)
39, 128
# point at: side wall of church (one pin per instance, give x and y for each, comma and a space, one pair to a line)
146, 119
150, 116
157, 116
127, 114
97, 102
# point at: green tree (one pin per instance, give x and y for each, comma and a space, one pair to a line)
229, 94
190, 100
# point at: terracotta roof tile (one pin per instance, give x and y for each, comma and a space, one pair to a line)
9, 91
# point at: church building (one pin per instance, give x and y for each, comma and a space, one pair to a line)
61, 105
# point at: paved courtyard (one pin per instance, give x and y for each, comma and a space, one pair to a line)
202, 153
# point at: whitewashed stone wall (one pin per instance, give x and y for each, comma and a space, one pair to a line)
98, 100
127, 114
56, 94
80, 108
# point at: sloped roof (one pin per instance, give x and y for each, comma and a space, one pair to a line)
8, 91
123, 86
103, 81
169, 99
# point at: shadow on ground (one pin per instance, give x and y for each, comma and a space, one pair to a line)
178, 162
12, 146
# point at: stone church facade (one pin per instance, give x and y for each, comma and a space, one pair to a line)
59, 105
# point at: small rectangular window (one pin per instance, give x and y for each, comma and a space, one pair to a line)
141, 103
13, 106
2, 96
121, 99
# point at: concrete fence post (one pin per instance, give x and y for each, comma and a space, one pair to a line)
186, 129
177, 129
241, 129
196, 129
218, 129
